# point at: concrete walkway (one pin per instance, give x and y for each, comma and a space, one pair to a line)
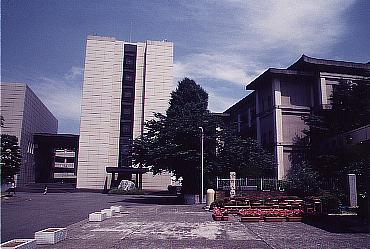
191, 227
146, 223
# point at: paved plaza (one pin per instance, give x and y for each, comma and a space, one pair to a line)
156, 222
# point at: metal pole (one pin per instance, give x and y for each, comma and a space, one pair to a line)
202, 158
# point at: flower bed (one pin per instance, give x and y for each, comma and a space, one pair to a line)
220, 215
270, 215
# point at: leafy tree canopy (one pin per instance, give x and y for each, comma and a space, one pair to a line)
172, 141
10, 156
244, 156
350, 109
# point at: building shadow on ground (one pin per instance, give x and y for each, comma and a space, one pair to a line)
154, 198
339, 224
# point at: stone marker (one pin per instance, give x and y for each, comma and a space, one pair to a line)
352, 190
232, 184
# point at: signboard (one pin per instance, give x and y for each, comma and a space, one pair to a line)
232, 184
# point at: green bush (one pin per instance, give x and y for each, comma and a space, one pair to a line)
302, 181
330, 202
126, 192
217, 203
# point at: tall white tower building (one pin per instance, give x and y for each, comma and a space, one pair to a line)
124, 84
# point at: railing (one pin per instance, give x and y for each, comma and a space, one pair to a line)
250, 184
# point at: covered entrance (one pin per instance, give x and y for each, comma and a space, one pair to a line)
125, 173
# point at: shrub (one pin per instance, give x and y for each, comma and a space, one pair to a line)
330, 202
302, 180
217, 204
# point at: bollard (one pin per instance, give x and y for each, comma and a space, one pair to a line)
210, 197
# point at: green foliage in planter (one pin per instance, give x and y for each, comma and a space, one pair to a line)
217, 203
330, 202
126, 192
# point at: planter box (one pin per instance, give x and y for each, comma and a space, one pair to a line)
50, 235
117, 209
19, 244
217, 217
275, 219
295, 218
220, 218
97, 216
225, 218
108, 212
250, 219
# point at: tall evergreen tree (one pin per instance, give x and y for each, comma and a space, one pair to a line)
172, 141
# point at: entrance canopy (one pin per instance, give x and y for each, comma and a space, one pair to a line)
126, 171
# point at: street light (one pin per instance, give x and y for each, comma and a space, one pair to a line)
201, 128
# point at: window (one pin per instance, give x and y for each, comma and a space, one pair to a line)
126, 111
129, 77
129, 60
127, 94
126, 129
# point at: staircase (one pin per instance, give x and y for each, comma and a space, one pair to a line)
52, 188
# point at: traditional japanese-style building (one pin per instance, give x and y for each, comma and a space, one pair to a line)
273, 112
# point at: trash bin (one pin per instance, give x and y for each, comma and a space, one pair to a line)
210, 197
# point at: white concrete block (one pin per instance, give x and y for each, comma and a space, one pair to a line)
117, 209
97, 216
19, 244
50, 235
108, 212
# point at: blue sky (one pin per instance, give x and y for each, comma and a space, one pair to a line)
222, 45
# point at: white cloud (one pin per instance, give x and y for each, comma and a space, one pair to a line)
62, 95
244, 38
74, 73
215, 66
219, 103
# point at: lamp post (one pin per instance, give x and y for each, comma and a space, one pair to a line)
202, 159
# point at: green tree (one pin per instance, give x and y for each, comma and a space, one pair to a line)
350, 109
302, 180
10, 156
244, 156
172, 141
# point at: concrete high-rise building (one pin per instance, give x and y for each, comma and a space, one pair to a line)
24, 115
124, 84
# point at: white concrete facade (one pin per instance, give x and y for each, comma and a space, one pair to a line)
100, 125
